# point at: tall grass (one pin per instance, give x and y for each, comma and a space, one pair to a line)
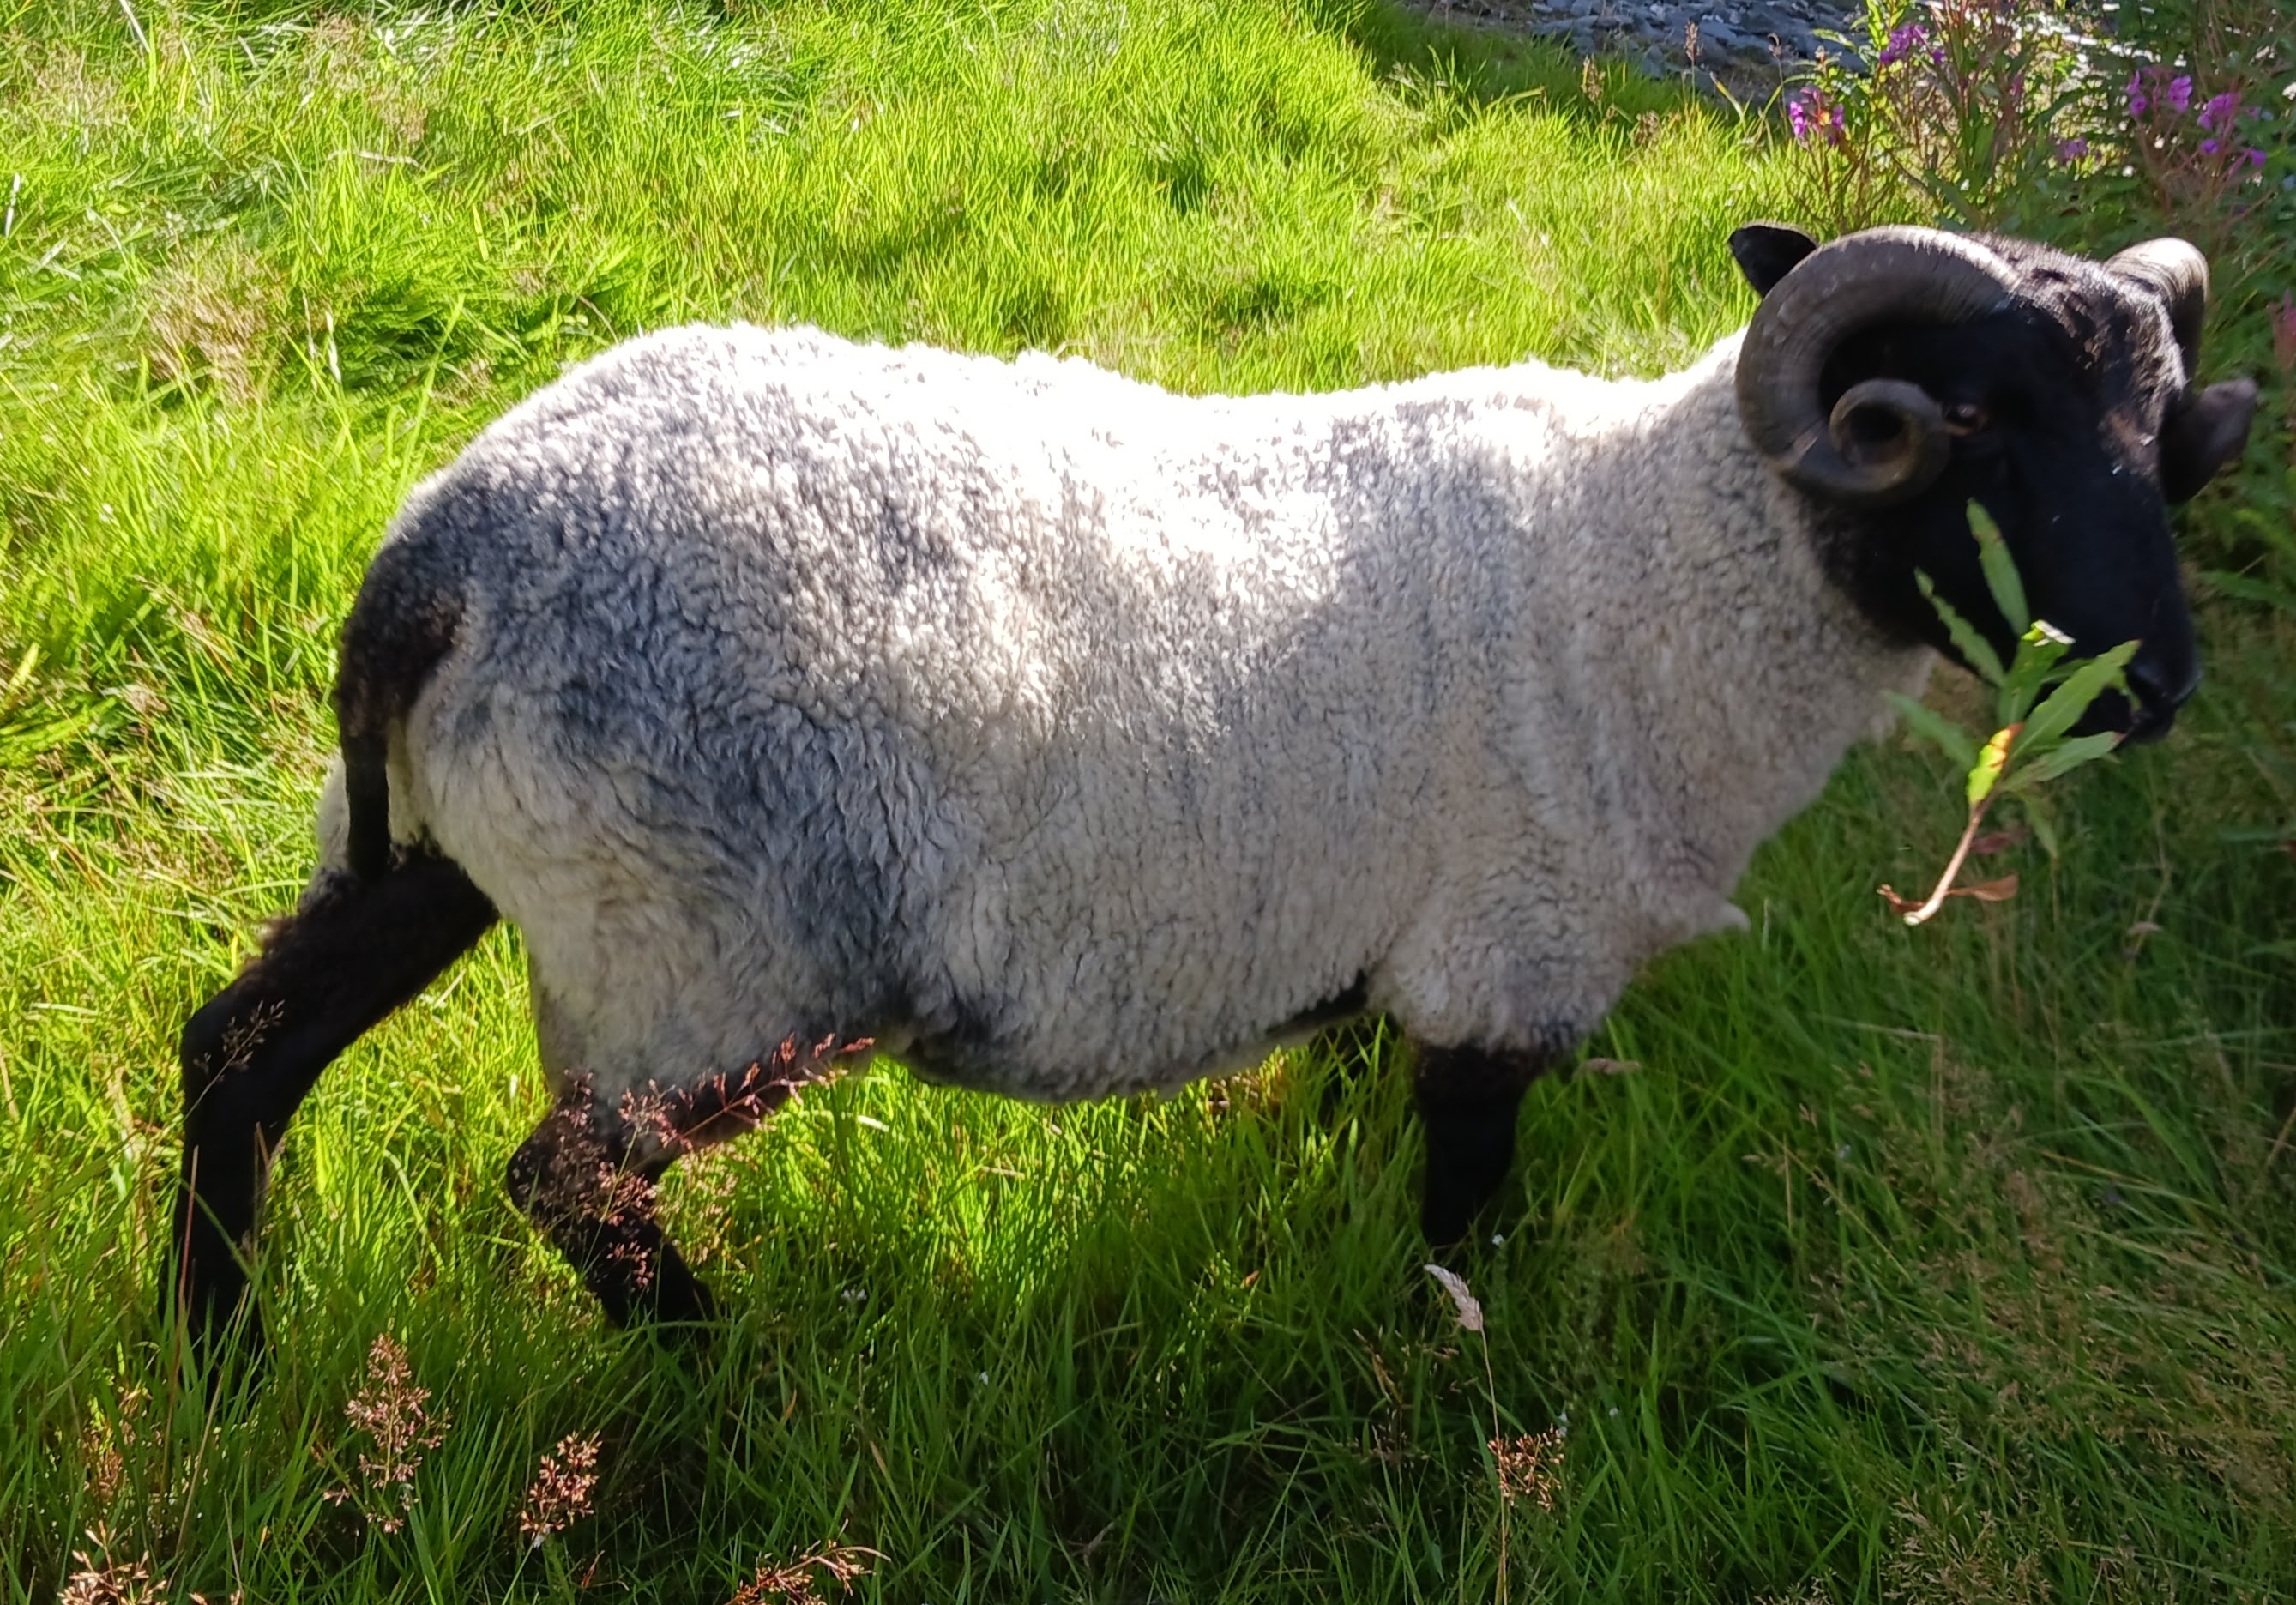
1944, 1265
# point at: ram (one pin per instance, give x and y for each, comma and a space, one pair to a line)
1061, 737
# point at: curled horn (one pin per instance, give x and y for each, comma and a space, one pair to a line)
1884, 439
2177, 272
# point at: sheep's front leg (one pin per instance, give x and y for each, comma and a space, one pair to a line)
1468, 1098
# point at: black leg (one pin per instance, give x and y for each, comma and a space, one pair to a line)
329, 973
585, 1178
576, 1180
1467, 1100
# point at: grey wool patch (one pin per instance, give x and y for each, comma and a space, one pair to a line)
1069, 736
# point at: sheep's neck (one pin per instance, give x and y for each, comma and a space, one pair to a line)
1738, 674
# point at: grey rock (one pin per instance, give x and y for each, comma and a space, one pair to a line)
1652, 31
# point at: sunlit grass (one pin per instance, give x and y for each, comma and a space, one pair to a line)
1952, 1264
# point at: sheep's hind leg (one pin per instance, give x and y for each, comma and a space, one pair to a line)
581, 1179
587, 1178
353, 954
1468, 1098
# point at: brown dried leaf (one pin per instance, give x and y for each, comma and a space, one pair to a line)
1992, 891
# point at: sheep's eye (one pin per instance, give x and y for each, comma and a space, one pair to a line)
1965, 418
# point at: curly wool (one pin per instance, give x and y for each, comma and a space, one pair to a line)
1069, 736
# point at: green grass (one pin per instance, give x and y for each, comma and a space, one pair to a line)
1942, 1265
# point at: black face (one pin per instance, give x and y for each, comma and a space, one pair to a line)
2064, 423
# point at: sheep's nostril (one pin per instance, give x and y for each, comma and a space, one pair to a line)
2155, 695
2152, 683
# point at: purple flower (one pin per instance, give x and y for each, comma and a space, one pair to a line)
2218, 112
1812, 116
2069, 151
2150, 89
2255, 156
2209, 147
1904, 41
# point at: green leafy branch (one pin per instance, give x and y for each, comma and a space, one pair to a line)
2038, 699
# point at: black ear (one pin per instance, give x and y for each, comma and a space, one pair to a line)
2204, 437
1768, 252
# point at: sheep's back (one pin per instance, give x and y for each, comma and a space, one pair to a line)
1025, 713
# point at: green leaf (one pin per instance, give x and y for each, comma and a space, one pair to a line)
2038, 651
2065, 704
2068, 754
2000, 569
1985, 772
1933, 727
1974, 648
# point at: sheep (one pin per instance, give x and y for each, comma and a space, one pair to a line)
1060, 736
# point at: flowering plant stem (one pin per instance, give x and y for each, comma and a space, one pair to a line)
2040, 698
1491, 1393
1470, 1317
1990, 892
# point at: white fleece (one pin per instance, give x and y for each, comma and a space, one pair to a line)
1069, 736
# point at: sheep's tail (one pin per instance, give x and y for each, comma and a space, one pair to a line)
405, 620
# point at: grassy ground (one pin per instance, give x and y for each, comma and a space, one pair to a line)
1942, 1265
